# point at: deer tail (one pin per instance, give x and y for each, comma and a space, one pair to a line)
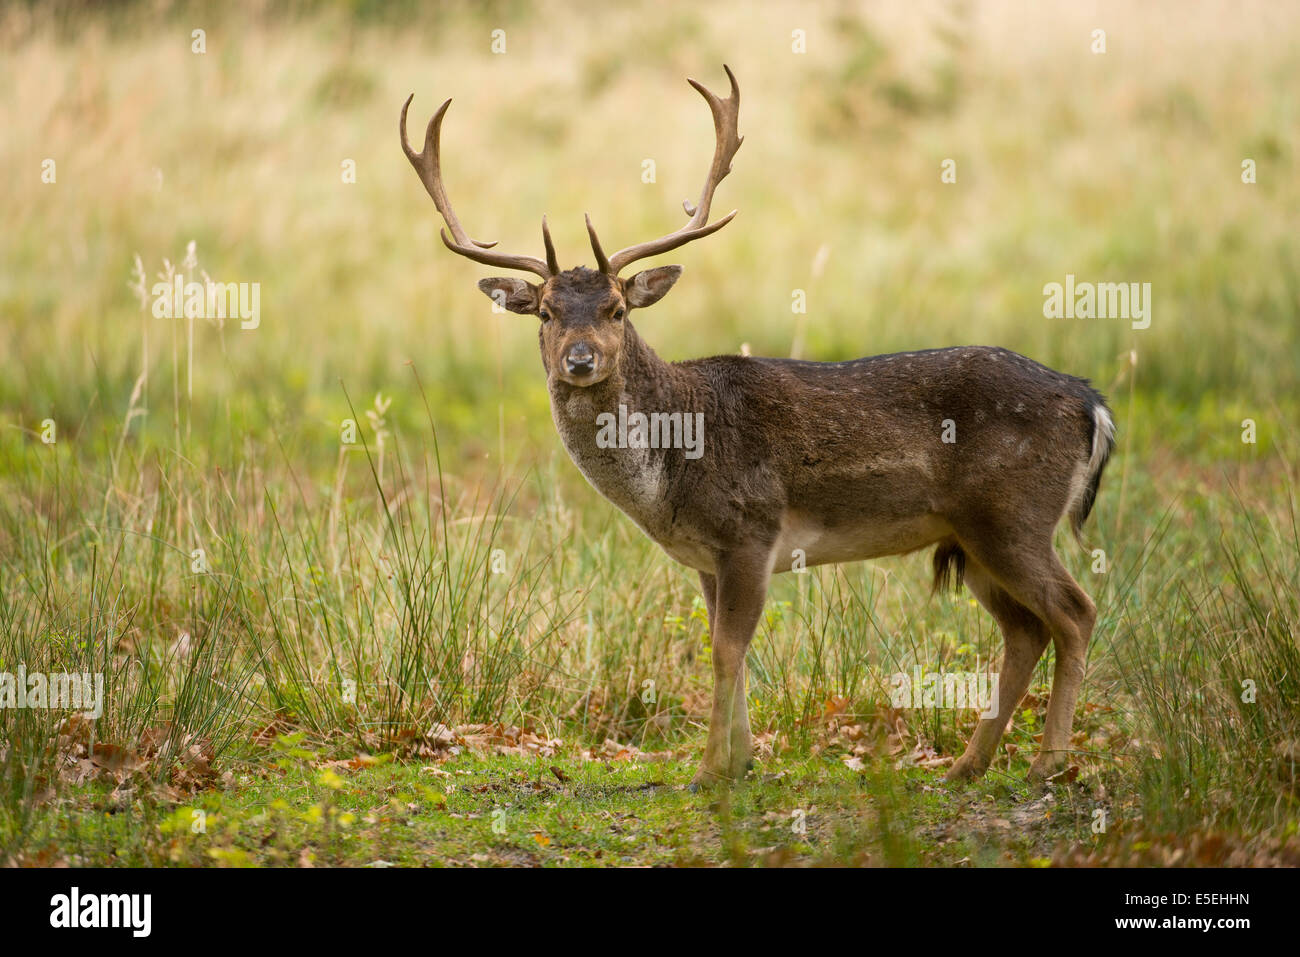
1103, 443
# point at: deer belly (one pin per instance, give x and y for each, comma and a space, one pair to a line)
806, 540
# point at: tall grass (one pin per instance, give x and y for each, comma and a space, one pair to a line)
1215, 674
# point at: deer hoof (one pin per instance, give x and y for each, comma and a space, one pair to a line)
963, 769
1045, 765
738, 772
707, 781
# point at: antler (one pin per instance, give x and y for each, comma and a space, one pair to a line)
726, 115
428, 165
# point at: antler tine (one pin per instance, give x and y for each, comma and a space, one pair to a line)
601, 262
427, 164
726, 117
552, 263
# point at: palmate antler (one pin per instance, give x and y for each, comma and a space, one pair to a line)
427, 164
726, 115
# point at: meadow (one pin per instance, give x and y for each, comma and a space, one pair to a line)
353, 605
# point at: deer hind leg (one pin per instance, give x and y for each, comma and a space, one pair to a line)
1024, 638
1071, 615
1034, 577
741, 588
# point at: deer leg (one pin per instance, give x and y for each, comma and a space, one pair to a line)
742, 742
1036, 579
1024, 637
1072, 615
709, 585
738, 604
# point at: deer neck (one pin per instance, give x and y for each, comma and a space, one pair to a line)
634, 479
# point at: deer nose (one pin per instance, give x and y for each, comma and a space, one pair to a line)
580, 360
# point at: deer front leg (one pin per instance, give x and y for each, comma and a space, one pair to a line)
739, 592
742, 741
742, 745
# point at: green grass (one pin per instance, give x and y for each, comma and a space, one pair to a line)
451, 568
553, 811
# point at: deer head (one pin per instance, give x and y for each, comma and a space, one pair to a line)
582, 311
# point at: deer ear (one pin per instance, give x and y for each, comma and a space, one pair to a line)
513, 295
650, 285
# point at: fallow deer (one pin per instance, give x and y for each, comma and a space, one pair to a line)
976, 450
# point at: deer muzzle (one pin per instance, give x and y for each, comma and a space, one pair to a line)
580, 360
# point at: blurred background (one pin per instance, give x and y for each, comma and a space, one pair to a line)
1117, 166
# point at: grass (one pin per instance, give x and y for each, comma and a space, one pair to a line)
557, 811
335, 569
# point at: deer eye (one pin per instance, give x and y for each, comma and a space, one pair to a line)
618, 313
545, 315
